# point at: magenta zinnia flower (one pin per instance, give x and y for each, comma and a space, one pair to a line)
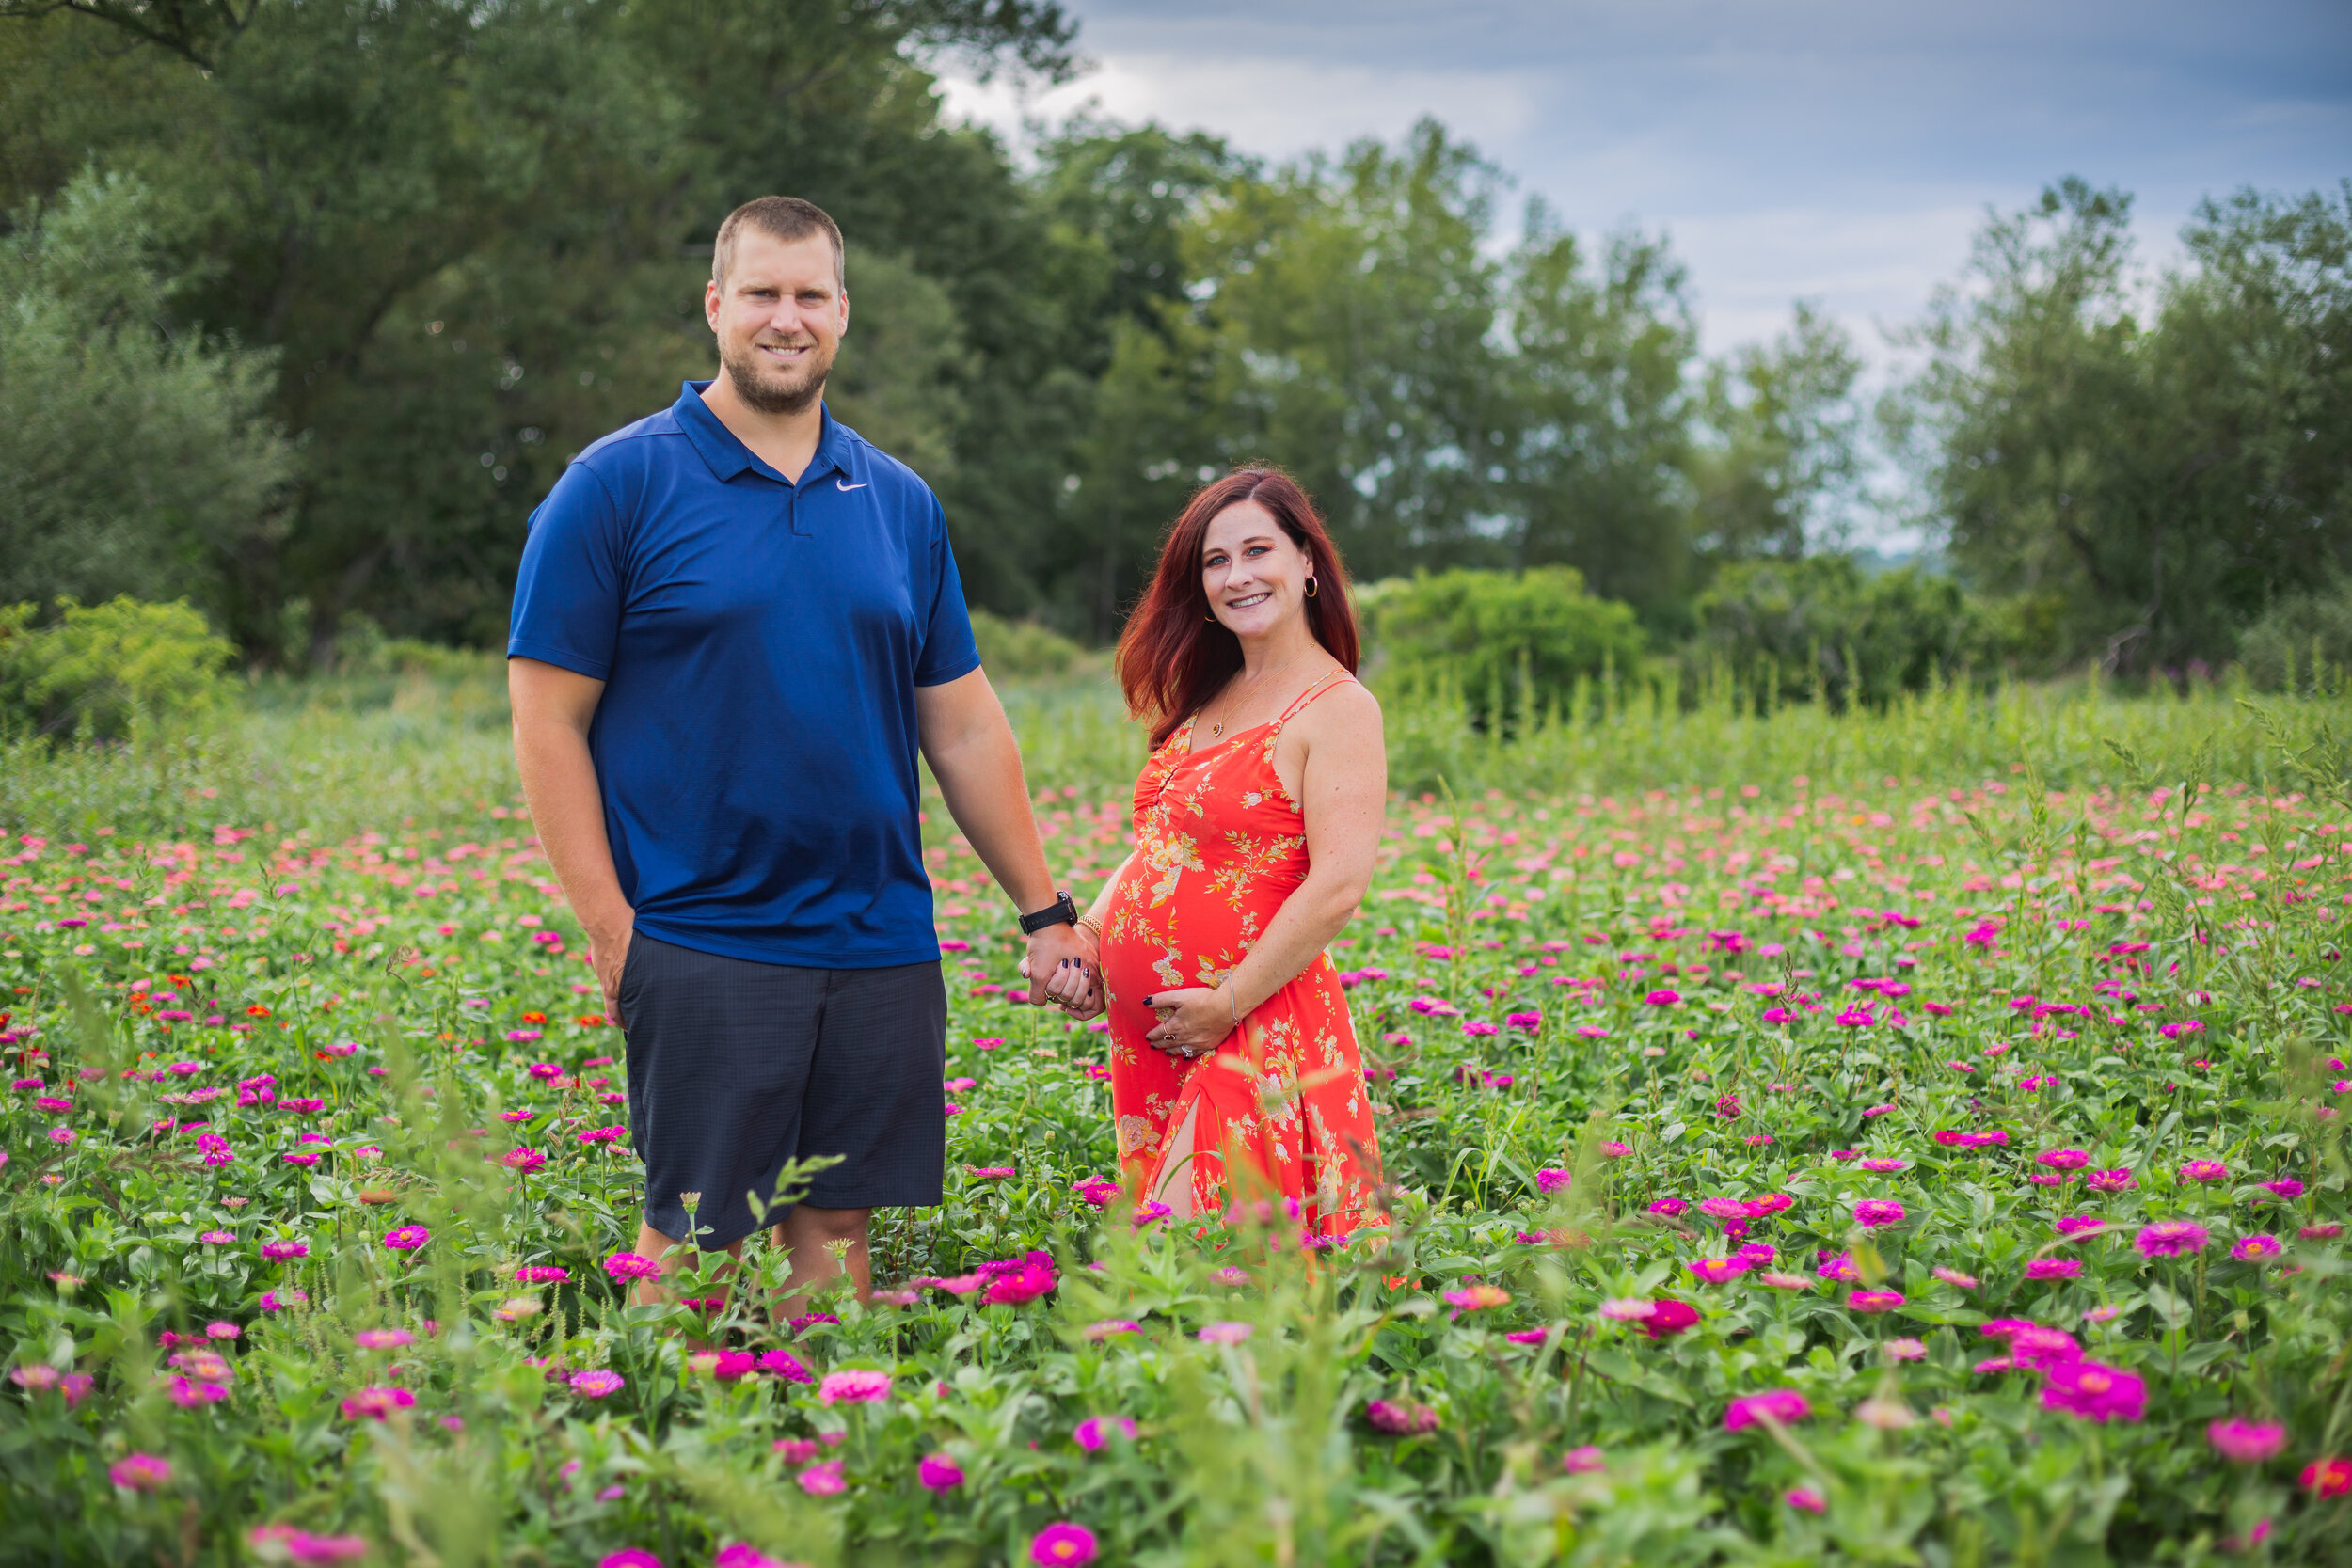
1874, 1301
1781, 1404
2062, 1159
2108, 1180
598, 1385
1550, 1180
2246, 1442
2253, 1250
1714, 1271
2094, 1392
1095, 1431
939, 1472
2053, 1268
374, 1405
139, 1472
823, 1479
1875, 1211
629, 1265
407, 1238
1062, 1544
2172, 1239
279, 1252
2034, 1346
855, 1386
2204, 1170
1403, 1420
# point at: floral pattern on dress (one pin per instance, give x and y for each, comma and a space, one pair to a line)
1219, 845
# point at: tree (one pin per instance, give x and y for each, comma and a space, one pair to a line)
1778, 461
1595, 414
135, 458
2150, 487
475, 236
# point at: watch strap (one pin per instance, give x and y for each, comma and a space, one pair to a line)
1063, 911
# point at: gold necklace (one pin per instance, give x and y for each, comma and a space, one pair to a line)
1217, 729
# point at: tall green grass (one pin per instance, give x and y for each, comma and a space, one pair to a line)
337, 756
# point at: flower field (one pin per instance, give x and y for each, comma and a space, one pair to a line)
1937, 1169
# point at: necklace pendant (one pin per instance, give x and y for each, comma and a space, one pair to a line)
1215, 730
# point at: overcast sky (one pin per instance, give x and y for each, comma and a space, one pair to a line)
1826, 148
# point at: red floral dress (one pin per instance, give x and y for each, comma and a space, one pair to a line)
1220, 844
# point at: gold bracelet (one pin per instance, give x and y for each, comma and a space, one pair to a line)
1087, 923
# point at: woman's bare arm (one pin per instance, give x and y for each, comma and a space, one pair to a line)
1343, 789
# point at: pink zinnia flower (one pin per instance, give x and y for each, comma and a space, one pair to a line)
856, 1386
784, 1364
1808, 1499
2325, 1478
598, 1385
1223, 1333
2034, 1346
1549, 1181
1585, 1461
2080, 1224
1874, 1301
1715, 1271
629, 1265
1781, 1404
2062, 1159
139, 1472
278, 1252
1477, 1298
1062, 1544
823, 1479
1954, 1277
2253, 1250
1092, 1433
2204, 1170
1875, 1211
1669, 1317
1662, 998
2094, 1392
939, 1472
1401, 1421
1670, 1206
2053, 1268
2172, 1239
2246, 1442
2108, 1180
406, 1238
374, 1405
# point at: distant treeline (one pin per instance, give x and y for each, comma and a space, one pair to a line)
304, 306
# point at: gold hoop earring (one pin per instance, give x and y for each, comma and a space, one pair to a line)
1311, 588
1210, 617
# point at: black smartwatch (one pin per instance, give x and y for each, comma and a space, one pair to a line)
1061, 911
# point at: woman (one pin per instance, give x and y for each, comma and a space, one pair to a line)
1256, 823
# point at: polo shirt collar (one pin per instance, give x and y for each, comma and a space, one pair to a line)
726, 454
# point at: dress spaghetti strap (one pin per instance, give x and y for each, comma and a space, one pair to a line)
1317, 689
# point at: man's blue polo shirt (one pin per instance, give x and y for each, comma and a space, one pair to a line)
760, 642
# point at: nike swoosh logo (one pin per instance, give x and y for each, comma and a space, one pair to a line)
849, 486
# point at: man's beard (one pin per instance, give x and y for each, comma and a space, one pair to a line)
774, 391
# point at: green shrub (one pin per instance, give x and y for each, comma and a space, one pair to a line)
1511, 643
1820, 627
2302, 642
98, 672
1021, 650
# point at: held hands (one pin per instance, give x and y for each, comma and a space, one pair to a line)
1193, 1021
1062, 968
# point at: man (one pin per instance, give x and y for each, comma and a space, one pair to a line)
736, 622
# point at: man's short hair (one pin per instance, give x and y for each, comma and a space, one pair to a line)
782, 217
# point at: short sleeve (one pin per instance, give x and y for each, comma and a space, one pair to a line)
948, 652
568, 596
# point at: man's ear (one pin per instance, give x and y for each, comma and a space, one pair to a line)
710, 305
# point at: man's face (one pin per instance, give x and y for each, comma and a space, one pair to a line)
779, 317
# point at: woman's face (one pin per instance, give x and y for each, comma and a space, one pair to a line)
1255, 577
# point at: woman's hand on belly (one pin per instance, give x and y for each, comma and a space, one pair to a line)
1193, 1019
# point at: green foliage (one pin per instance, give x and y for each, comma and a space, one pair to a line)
108, 671
1021, 650
1822, 627
135, 458
1511, 643
2301, 641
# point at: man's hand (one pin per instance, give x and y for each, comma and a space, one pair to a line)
608, 950
1058, 955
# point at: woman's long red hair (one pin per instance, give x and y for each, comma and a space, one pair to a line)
1173, 656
